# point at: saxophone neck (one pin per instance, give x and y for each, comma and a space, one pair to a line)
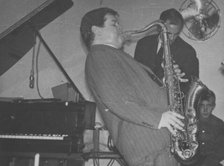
151, 29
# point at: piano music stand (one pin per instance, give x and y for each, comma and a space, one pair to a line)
56, 61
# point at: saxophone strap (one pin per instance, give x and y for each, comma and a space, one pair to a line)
152, 75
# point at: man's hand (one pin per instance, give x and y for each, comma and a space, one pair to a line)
179, 73
171, 120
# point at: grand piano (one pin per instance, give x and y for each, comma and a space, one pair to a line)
49, 125
30, 126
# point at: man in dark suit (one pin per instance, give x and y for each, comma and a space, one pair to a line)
149, 50
133, 106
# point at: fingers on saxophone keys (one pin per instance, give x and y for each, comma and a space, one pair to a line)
176, 122
183, 80
181, 74
177, 126
177, 115
171, 129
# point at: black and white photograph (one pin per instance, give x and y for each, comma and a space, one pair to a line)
111, 83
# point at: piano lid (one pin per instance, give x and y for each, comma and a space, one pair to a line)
19, 38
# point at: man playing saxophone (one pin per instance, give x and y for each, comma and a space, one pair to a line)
133, 105
149, 50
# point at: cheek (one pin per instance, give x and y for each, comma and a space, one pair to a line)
114, 33
201, 111
210, 111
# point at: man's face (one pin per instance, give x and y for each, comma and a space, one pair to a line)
173, 31
111, 33
205, 109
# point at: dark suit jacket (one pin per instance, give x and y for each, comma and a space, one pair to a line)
131, 105
211, 142
183, 54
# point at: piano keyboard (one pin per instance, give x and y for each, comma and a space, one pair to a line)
44, 127
34, 136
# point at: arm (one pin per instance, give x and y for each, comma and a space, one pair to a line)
112, 84
190, 69
217, 153
190, 63
185, 56
192, 66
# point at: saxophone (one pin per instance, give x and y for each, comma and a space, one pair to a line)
184, 144
187, 150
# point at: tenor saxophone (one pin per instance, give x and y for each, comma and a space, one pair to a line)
184, 144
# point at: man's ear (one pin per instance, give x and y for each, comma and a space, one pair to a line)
95, 29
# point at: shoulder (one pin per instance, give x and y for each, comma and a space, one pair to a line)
217, 121
179, 42
100, 55
99, 49
103, 51
148, 39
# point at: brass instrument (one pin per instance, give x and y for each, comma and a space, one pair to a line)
191, 117
135, 35
184, 144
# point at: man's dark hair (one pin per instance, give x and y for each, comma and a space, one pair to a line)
173, 16
94, 17
208, 96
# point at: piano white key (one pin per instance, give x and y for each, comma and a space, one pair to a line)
34, 136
